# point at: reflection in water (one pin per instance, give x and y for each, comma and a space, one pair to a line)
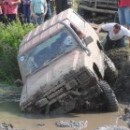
10, 113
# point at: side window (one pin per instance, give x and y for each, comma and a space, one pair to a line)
87, 40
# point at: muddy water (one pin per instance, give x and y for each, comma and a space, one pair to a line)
10, 113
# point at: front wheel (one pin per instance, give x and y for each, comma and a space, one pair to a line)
111, 73
110, 102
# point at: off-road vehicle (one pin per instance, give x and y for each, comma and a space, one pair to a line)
98, 10
62, 73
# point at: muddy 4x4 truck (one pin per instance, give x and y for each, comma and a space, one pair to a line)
98, 10
60, 72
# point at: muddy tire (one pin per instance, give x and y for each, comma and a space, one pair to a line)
110, 101
111, 73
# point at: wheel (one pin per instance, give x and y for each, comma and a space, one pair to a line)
110, 102
111, 73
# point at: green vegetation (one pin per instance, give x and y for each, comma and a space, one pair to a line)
10, 38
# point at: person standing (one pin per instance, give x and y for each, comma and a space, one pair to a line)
10, 8
38, 11
115, 36
26, 11
124, 12
62, 5
50, 11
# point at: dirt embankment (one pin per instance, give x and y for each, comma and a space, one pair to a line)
121, 58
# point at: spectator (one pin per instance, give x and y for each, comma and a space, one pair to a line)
38, 11
62, 5
116, 34
50, 11
10, 8
124, 12
70, 3
26, 11
20, 12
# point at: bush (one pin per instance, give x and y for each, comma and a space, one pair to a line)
10, 39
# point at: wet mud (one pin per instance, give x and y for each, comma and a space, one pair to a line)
10, 113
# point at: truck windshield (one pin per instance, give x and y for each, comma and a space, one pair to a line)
42, 54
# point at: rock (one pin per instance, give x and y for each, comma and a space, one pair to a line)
72, 124
126, 110
5, 126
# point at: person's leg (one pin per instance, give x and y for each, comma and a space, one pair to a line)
34, 19
121, 16
24, 13
127, 17
64, 5
49, 11
52, 7
40, 19
12, 17
58, 6
120, 43
1, 18
108, 44
28, 14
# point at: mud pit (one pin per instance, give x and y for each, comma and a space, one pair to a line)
10, 113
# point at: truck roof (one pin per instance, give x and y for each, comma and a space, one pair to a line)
46, 30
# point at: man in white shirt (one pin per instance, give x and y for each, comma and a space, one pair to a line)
116, 35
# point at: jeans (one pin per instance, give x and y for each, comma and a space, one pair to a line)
11, 18
26, 13
50, 10
110, 44
1, 18
38, 19
124, 15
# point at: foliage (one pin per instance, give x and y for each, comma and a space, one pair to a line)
10, 39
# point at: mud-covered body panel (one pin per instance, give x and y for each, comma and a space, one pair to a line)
47, 80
